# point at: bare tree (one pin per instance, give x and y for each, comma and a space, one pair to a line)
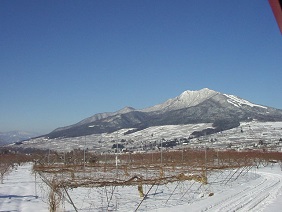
5, 167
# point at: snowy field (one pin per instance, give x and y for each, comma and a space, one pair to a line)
245, 190
246, 136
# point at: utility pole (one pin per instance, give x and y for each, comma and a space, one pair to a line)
84, 152
117, 154
49, 151
85, 149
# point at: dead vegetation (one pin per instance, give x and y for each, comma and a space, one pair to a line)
64, 171
148, 168
9, 160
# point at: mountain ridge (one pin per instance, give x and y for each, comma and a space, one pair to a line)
15, 136
202, 106
185, 99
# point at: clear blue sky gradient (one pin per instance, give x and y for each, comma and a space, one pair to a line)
63, 61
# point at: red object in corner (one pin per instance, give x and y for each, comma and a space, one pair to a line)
276, 6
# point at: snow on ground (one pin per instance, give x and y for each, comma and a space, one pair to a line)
246, 136
103, 142
255, 190
261, 194
18, 192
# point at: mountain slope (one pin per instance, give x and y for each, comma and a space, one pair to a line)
186, 99
94, 119
14, 136
203, 106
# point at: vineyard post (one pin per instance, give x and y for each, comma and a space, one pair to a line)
205, 174
35, 190
182, 157
64, 153
49, 151
162, 151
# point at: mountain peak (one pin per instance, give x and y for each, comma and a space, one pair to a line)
184, 100
200, 106
125, 110
199, 94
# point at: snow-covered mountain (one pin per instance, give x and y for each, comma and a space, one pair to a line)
15, 136
184, 100
97, 117
203, 106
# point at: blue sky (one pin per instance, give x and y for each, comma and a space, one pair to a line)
63, 61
